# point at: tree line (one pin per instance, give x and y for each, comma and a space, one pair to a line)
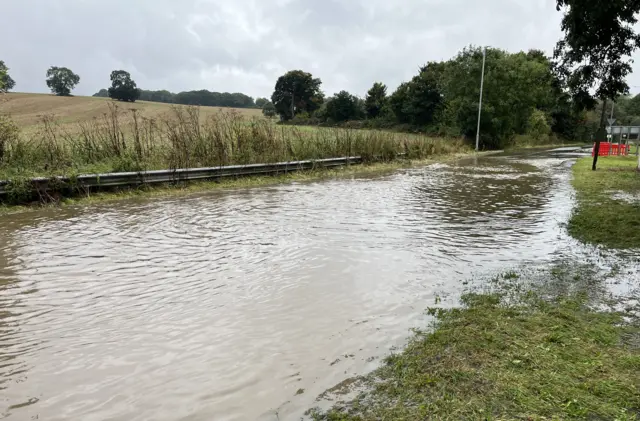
523, 95
62, 81
526, 93
201, 97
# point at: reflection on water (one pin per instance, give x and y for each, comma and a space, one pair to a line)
224, 305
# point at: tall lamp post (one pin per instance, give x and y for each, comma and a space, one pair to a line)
484, 59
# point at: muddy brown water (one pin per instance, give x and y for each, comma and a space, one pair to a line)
228, 305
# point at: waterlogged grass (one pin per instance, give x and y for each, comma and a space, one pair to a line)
177, 190
603, 216
507, 356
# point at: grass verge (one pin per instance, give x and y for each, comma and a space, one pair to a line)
511, 356
608, 202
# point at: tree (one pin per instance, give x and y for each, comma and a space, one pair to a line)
268, 110
375, 100
61, 80
514, 85
343, 107
123, 88
296, 92
594, 54
261, 102
418, 101
6, 82
102, 93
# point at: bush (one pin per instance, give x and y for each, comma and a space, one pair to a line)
538, 126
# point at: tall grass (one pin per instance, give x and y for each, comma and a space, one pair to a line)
122, 140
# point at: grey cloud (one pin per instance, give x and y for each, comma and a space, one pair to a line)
244, 45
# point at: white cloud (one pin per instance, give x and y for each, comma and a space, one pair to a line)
244, 45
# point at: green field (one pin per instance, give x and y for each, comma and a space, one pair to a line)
608, 208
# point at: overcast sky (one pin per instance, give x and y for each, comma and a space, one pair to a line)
244, 45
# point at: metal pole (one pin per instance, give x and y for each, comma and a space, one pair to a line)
613, 103
484, 58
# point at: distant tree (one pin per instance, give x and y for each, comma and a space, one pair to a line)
6, 82
102, 93
301, 88
260, 102
123, 88
343, 107
61, 80
633, 106
268, 110
157, 96
375, 100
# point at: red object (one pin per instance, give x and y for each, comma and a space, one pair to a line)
606, 146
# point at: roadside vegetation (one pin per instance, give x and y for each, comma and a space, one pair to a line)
122, 140
608, 202
521, 349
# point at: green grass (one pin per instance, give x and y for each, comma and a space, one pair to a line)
598, 217
507, 356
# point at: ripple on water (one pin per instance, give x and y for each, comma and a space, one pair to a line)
223, 305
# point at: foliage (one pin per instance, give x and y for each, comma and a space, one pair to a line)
375, 100
301, 88
600, 218
594, 55
61, 80
261, 102
122, 139
6, 82
538, 125
514, 86
123, 88
418, 101
342, 107
269, 110
102, 93
214, 99
8, 134
199, 98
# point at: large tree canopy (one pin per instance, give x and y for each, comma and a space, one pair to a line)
123, 88
301, 88
417, 102
593, 57
343, 106
61, 80
375, 100
6, 82
514, 86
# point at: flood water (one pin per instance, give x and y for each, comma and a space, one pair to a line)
223, 306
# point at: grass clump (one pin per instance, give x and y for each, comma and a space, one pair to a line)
600, 217
499, 359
